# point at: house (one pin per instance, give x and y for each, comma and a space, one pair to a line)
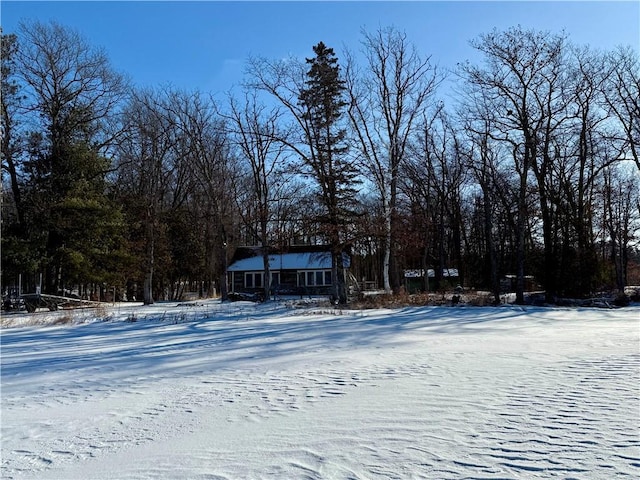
303, 270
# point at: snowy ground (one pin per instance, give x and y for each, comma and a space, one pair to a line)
243, 391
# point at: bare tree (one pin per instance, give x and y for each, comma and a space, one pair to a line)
145, 170
580, 151
621, 218
622, 96
482, 158
387, 100
204, 150
522, 78
435, 175
255, 132
71, 84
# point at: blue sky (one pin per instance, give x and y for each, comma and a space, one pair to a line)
203, 45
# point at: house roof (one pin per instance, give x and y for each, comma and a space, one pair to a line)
285, 261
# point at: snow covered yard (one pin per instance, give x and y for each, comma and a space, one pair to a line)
243, 391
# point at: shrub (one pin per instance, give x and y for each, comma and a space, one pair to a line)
63, 320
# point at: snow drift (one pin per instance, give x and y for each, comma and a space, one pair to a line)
215, 391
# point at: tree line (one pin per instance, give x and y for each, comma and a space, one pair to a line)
531, 168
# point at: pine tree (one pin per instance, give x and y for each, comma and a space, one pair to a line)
72, 97
323, 102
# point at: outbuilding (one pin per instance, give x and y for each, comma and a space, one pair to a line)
414, 279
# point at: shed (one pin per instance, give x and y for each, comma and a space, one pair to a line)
413, 279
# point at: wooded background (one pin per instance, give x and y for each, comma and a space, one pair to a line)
528, 166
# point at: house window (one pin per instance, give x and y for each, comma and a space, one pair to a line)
253, 279
256, 279
314, 278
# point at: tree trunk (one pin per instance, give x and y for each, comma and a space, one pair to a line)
393, 251
150, 260
520, 238
387, 250
267, 273
148, 287
224, 287
339, 282
491, 250
425, 268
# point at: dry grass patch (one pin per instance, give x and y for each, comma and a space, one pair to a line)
402, 299
63, 320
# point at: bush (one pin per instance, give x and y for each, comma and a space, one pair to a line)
622, 300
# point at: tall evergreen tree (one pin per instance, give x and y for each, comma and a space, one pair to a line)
323, 103
68, 95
